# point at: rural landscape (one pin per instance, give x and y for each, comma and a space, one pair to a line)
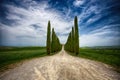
41, 42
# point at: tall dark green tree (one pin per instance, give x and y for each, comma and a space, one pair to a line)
68, 45
73, 40
72, 44
48, 38
55, 43
76, 35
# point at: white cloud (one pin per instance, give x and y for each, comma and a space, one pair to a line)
93, 40
99, 37
93, 19
106, 29
21, 31
39, 15
77, 3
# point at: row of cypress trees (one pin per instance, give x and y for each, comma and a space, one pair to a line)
72, 44
52, 43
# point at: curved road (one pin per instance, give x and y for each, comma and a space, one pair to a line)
61, 67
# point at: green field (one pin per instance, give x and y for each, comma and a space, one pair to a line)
106, 55
9, 55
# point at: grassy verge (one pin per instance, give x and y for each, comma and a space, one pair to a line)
108, 56
9, 55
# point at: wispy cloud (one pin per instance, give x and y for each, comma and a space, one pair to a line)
32, 22
93, 40
78, 3
25, 23
108, 28
104, 36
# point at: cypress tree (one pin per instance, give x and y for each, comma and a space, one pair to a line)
48, 38
68, 44
76, 36
73, 45
58, 45
53, 41
52, 45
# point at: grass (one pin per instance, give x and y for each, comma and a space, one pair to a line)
108, 56
9, 55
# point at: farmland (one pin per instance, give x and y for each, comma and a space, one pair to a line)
9, 55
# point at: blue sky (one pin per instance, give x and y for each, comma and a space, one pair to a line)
24, 22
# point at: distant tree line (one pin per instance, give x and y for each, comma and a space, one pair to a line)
72, 44
52, 43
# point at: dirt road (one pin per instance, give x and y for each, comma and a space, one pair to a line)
61, 67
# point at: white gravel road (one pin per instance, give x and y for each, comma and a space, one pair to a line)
61, 66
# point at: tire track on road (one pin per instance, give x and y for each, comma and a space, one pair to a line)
61, 66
